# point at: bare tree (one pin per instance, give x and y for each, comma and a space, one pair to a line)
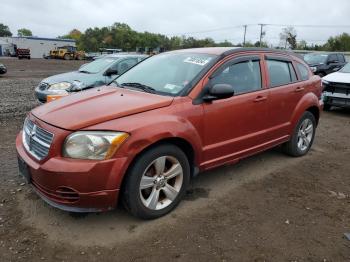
288, 38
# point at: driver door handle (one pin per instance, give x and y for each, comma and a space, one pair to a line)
260, 99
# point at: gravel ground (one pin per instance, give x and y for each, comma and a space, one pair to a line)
269, 207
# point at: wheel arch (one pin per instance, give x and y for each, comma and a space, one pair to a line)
310, 103
181, 143
316, 112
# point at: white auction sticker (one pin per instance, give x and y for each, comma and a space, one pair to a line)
197, 60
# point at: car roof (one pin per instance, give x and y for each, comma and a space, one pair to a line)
225, 51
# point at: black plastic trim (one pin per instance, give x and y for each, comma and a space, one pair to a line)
278, 58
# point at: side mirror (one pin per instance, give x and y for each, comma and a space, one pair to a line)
111, 72
219, 91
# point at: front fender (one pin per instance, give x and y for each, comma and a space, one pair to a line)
168, 127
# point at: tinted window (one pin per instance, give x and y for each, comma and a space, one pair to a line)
304, 72
341, 58
97, 65
315, 58
280, 73
244, 77
332, 57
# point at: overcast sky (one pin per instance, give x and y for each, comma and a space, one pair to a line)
47, 18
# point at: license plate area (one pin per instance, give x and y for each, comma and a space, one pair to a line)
23, 169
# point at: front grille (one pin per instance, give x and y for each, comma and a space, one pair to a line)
339, 88
36, 140
43, 86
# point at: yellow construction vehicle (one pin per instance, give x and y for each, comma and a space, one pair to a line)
67, 53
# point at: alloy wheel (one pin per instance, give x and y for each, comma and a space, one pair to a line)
161, 182
305, 134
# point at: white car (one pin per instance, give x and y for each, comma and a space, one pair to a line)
336, 90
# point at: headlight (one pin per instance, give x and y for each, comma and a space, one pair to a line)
313, 68
60, 88
96, 145
325, 82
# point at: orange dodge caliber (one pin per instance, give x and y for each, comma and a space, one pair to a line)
142, 138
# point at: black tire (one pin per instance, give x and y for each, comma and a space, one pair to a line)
291, 147
66, 57
327, 107
132, 199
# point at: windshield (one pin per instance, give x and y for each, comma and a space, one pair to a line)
97, 65
315, 58
345, 69
167, 73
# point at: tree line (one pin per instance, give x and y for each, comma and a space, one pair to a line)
122, 36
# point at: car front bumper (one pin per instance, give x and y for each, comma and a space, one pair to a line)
74, 185
336, 99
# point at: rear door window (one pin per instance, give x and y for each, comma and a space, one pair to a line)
281, 73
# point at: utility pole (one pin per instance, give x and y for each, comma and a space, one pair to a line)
245, 32
261, 33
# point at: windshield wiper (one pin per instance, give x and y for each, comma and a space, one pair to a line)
140, 86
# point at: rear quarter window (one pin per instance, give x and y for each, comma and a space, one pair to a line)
304, 72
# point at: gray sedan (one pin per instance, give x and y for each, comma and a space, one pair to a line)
97, 73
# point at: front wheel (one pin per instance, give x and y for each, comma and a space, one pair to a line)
156, 182
303, 136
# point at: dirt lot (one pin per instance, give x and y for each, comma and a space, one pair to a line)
267, 208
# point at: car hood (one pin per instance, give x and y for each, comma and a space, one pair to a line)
98, 105
338, 77
87, 79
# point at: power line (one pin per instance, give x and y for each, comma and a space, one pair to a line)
212, 30
311, 26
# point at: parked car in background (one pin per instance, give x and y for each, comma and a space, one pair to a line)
157, 125
96, 73
3, 69
336, 90
323, 64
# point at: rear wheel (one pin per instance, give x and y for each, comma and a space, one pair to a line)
302, 137
156, 182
